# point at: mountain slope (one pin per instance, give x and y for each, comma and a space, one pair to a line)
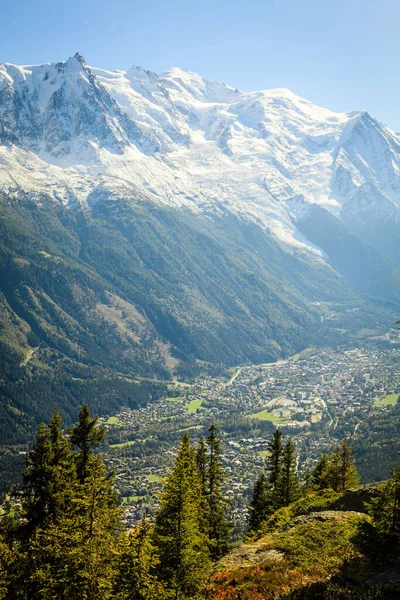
152, 225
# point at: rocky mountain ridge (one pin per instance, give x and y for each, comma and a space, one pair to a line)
75, 132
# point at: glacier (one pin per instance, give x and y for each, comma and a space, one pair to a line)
78, 133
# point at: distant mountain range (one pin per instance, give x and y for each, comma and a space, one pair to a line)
152, 226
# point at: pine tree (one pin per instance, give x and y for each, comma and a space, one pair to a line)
6, 558
319, 476
341, 472
259, 507
202, 465
274, 458
75, 558
308, 484
219, 527
288, 485
49, 477
333, 475
135, 579
37, 480
265, 498
182, 548
72, 529
348, 476
86, 435
385, 508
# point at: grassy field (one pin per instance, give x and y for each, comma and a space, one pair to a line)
174, 398
112, 421
154, 478
386, 400
123, 444
127, 499
194, 405
189, 428
264, 415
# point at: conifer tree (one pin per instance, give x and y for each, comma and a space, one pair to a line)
274, 458
307, 485
75, 558
135, 579
341, 472
333, 476
259, 507
265, 495
288, 484
182, 547
385, 508
49, 477
202, 465
72, 528
219, 527
319, 476
86, 435
348, 476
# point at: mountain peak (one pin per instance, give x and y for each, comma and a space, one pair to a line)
75, 63
142, 75
79, 58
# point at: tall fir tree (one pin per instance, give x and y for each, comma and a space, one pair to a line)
260, 505
76, 557
72, 525
348, 476
218, 525
137, 563
86, 435
274, 458
385, 508
49, 478
288, 485
341, 472
182, 547
265, 498
202, 464
319, 475
333, 477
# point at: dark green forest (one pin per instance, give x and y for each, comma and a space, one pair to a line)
62, 534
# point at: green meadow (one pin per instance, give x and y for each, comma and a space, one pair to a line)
264, 415
390, 399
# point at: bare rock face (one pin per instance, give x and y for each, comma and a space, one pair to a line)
59, 110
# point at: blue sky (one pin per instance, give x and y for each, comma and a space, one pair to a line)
340, 54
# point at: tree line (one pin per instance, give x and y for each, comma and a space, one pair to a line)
68, 540
279, 484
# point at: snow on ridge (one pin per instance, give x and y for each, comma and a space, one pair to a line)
190, 142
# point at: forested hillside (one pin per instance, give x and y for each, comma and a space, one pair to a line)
62, 535
99, 305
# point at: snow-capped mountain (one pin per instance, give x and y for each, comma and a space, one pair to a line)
159, 226
76, 133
